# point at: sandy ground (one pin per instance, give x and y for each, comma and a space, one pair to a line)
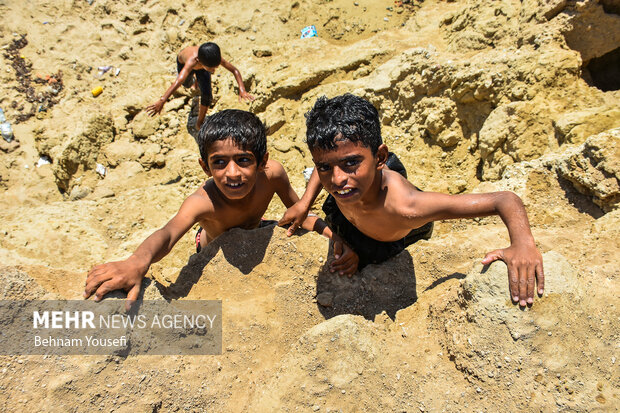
472, 96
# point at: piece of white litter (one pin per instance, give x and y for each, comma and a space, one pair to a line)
100, 169
117, 71
308, 173
44, 160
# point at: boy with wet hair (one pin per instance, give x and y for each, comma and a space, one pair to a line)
233, 152
195, 65
378, 212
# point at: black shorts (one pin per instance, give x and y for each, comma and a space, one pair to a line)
204, 83
369, 250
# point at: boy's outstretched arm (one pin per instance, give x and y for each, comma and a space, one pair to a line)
297, 213
524, 262
346, 260
157, 107
127, 274
242, 93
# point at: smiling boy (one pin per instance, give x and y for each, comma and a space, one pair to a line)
233, 151
196, 65
387, 211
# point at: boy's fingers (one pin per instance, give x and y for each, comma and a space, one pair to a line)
522, 286
132, 296
513, 282
531, 281
340, 264
294, 226
92, 284
337, 249
540, 274
493, 256
103, 289
96, 270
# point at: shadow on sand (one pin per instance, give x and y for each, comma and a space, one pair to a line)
243, 249
388, 287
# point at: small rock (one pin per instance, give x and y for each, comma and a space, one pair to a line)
262, 52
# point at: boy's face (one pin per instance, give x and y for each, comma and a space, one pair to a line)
234, 169
348, 171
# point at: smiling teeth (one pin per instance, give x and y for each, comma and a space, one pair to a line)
344, 191
234, 185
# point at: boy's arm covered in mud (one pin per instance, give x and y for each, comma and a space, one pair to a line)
346, 260
524, 262
127, 275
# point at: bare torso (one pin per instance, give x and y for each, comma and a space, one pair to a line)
245, 213
383, 220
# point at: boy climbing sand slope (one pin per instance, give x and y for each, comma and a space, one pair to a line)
196, 65
378, 212
233, 151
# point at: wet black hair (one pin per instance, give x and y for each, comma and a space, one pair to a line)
245, 129
346, 116
209, 54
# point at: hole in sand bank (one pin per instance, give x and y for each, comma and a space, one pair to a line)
604, 72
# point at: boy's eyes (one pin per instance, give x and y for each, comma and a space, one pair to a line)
243, 160
345, 164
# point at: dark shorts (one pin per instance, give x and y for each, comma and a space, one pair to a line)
204, 83
369, 250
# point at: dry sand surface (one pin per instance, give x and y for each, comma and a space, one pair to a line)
473, 96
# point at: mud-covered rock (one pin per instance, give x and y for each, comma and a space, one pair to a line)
594, 168
515, 132
439, 117
144, 126
79, 153
576, 127
122, 150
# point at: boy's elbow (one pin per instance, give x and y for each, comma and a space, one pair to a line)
509, 198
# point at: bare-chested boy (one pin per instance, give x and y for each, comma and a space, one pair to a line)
233, 151
378, 212
196, 65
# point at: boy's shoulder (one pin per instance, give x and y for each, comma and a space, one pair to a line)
203, 200
400, 194
274, 170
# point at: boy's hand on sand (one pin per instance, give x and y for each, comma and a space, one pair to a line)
295, 216
155, 108
120, 275
525, 268
346, 260
246, 96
